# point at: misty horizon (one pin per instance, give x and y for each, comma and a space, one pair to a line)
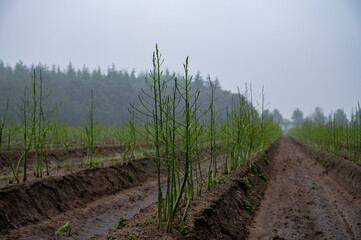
305, 54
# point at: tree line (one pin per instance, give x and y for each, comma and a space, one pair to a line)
69, 90
318, 117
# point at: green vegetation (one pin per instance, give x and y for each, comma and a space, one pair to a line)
265, 159
336, 134
130, 178
173, 119
248, 206
263, 177
247, 185
65, 230
119, 222
35, 125
114, 90
177, 121
313, 185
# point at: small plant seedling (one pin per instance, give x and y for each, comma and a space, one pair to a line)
66, 229
111, 180
221, 180
181, 227
81, 164
130, 178
110, 237
313, 184
248, 206
254, 168
120, 222
250, 175
265, 159
263, 177
246, 184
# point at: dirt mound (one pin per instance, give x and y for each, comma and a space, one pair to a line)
346, 172
32, 202
230, 208
306, 198
56, 155
219, 213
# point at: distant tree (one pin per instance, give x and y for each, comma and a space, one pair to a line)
132, 75
286, 124
97, 74
217, 84
297, 117
167, 74
112, 72
198, 81
318, 117
85, 74
340, 117
357, 115
267, 114
277, 116
20, 70
70, 71
53, 69
116, 89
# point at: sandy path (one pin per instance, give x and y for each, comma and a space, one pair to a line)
303, 202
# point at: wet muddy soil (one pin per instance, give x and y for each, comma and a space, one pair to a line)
296, 192
218, 213
93, 200
34, 210
60, 162
306, 198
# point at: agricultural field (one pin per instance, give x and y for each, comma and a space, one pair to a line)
177, 169
201, 120
64, 180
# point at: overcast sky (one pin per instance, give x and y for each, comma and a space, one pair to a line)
305, 53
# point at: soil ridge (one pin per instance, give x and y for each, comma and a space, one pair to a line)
31, 202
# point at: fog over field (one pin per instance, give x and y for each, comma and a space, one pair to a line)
182, 119
305, 53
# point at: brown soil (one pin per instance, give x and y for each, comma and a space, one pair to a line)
218, 213
224, 214
309, 197
26, 204
74, 152
89, 215
345, 172
57, 162
310, 194
306, 197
